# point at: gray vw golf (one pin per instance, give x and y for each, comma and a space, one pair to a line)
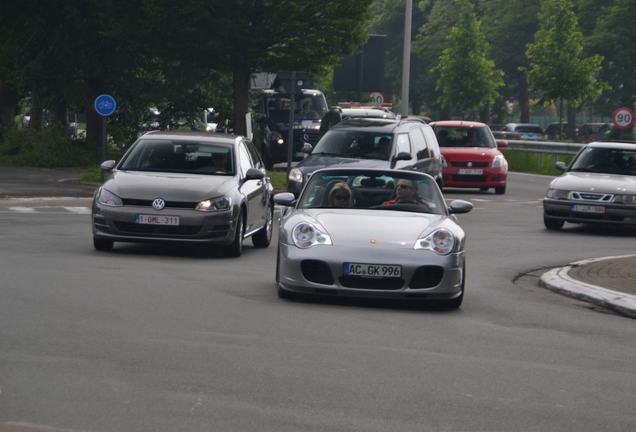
185, 187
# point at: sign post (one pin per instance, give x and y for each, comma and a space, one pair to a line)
290, 134
105, 106
623, 118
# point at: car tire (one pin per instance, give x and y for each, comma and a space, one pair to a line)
500, 190
263, 237
103, 244
552, 224
235, 249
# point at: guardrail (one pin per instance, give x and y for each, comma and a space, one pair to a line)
550, 147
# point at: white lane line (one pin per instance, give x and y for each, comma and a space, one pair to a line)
79, 210
22, 209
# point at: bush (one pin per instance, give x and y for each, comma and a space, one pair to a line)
49, 148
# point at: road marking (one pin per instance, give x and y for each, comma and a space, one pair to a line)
79, 210
22, 209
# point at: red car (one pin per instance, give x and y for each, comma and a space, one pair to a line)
471, 156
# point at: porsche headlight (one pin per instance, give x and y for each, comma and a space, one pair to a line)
625, 199
306, 235
215, 204
295, 175
108, 198
440, 241
558, 194
499, 161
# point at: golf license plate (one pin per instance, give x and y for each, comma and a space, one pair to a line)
470, 171
588, 209
373, 270
156, 219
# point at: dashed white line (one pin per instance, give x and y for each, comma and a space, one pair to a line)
79, 210
22, 209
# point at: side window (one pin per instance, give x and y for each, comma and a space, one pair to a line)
403, 143
244, 158
419, 144
256, 158
431, 141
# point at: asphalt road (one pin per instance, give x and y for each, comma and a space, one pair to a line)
148, 338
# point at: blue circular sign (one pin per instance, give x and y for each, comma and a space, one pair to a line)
105, 105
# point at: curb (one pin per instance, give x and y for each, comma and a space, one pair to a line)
558, 280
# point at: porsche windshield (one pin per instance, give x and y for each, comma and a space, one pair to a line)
180, 156
376, 190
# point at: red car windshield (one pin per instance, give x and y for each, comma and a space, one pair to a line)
464, 137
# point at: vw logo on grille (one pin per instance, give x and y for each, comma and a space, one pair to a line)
158, 203
306, 137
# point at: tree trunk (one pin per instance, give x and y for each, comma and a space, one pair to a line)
484, 114
571, 120
560, 119
35, 121
524, 99
241, 85
8, 106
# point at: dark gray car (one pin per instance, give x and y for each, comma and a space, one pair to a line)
185, 187
406, 144
599, 186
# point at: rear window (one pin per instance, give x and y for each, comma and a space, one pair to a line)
355, 144
529, 129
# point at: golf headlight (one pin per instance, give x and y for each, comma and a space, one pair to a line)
108, 198
499, 161
440, 241
625, 199
215, 204
558, 194
295, 175
306, 235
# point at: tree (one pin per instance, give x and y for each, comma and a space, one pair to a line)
273, 35
509, 26
467, 78
558, 71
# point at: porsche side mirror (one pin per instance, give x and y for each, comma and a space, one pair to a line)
286, 199
460, 206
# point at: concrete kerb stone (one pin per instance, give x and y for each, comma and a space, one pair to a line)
559, 280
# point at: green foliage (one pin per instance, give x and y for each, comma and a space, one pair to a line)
558, 71
530, 162
468, 79
44, 148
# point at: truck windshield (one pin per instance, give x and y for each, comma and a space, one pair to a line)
307, 107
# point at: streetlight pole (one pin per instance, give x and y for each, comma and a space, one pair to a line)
406, 59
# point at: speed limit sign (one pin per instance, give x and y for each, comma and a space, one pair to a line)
376, 98
623, 118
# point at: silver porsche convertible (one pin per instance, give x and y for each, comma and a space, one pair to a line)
371, 233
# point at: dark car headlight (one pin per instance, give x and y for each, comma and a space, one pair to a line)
107, 198
215, 204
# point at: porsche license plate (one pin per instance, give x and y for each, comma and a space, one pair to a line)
156, 219
588, 209
470, 171
373, 270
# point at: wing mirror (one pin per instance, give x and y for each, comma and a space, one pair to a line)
254, 174
502, 143
306, 148
561, 166
108, 165
460, 206
286, 199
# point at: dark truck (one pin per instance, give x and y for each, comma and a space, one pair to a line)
270, 118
